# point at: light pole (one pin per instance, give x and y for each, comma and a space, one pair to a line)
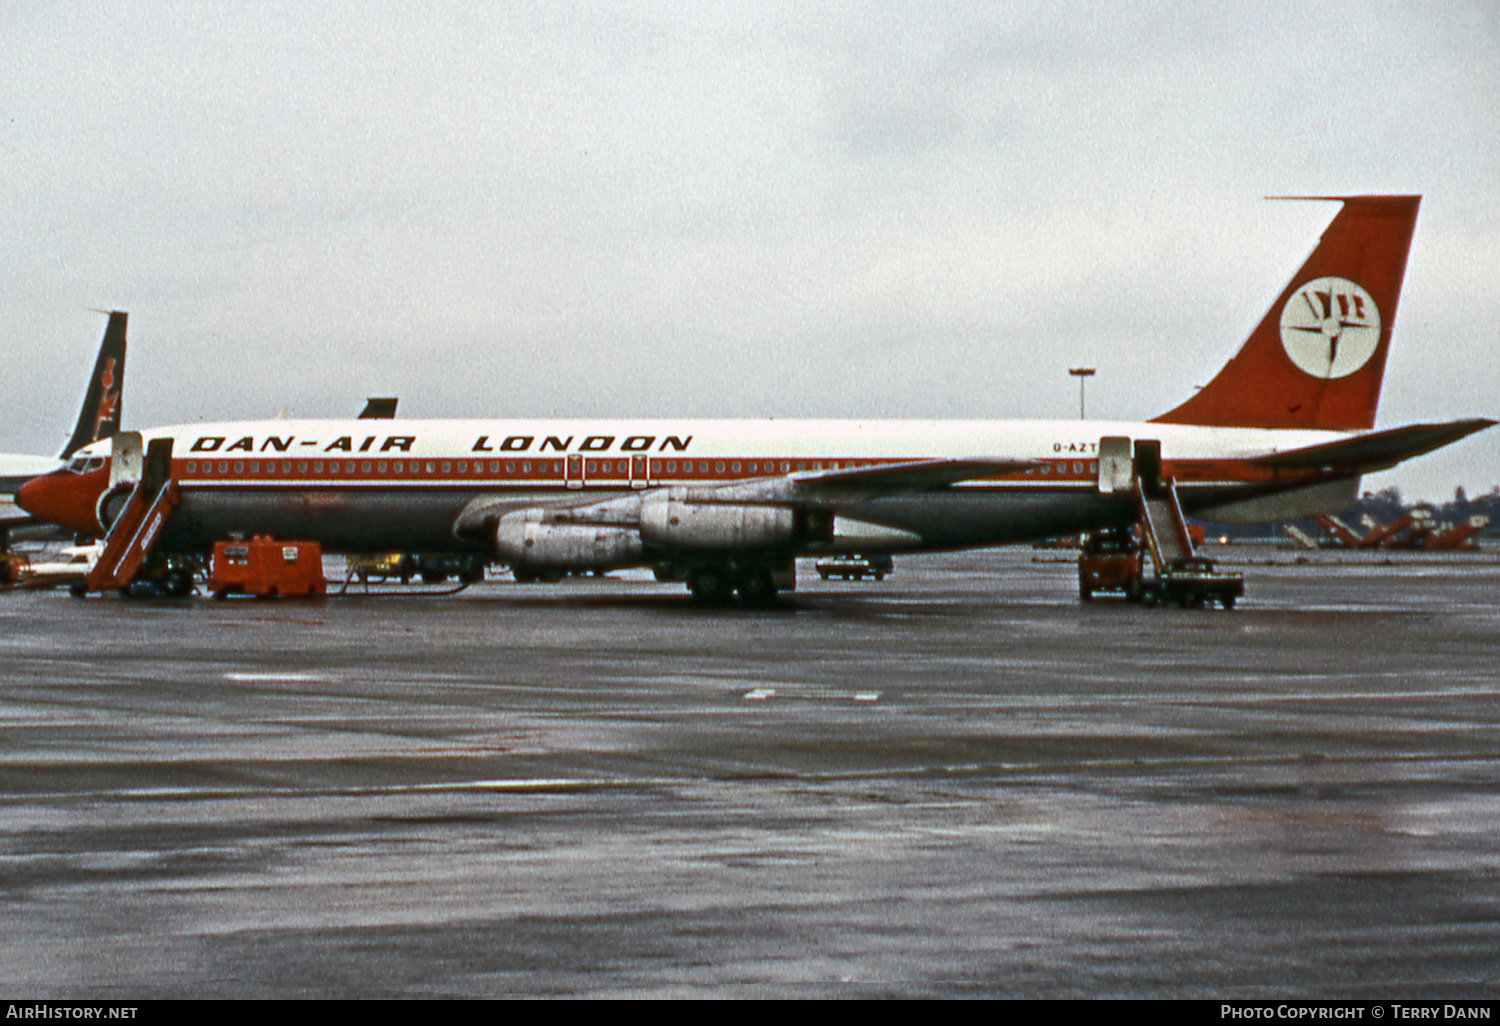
1082, 374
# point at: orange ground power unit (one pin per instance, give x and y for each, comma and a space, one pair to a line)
267, 568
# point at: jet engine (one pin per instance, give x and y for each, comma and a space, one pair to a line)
670, 521
526, 538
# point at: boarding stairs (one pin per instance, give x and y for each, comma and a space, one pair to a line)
1162, 524
138, 527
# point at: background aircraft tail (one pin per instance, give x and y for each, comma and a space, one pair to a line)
99, 417
1318, 357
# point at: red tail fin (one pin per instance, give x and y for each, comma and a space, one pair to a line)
1318, 357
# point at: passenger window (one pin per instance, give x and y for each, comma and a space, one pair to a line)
380, 467
495, 467
223, 467
591, 467
286, 466
463, 466
525, 468
397, 468
432, 467
510, 468
302, 467
719, 467
192, 467
671, 466
318, 467
364, 468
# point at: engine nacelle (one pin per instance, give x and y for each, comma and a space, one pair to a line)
670, 521
525, 538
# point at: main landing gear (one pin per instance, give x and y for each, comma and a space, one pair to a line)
753, 585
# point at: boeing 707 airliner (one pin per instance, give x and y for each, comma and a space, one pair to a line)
1285, 429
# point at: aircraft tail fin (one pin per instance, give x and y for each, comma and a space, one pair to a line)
99, 416
1317, 358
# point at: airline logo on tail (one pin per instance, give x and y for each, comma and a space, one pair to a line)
1330, 328
107, 420
1317, 358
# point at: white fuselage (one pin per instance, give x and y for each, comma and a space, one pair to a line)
389, 485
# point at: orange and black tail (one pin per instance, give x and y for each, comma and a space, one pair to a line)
1318, 357
99, 417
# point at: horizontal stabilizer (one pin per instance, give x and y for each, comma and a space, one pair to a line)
1376, 450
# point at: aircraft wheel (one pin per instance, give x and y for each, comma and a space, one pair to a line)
756, 589
710, 586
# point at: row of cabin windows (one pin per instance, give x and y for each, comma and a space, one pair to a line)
1062, 468
555, 467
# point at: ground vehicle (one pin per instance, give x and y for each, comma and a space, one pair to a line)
1112, 561
267, 568
435, 569
1193, 581
855, 567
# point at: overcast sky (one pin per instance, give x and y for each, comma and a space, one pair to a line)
831, 210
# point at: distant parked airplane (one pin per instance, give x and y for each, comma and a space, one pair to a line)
98, 417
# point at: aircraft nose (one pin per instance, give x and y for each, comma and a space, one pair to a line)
61, 498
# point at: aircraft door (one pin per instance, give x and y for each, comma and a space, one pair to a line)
575, 471
127, 458
637, 471
1116, 468
1148, 463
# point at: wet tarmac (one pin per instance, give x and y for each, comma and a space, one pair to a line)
956, 781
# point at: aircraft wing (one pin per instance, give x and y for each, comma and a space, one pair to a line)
1375, 450
828, 489
806, 489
